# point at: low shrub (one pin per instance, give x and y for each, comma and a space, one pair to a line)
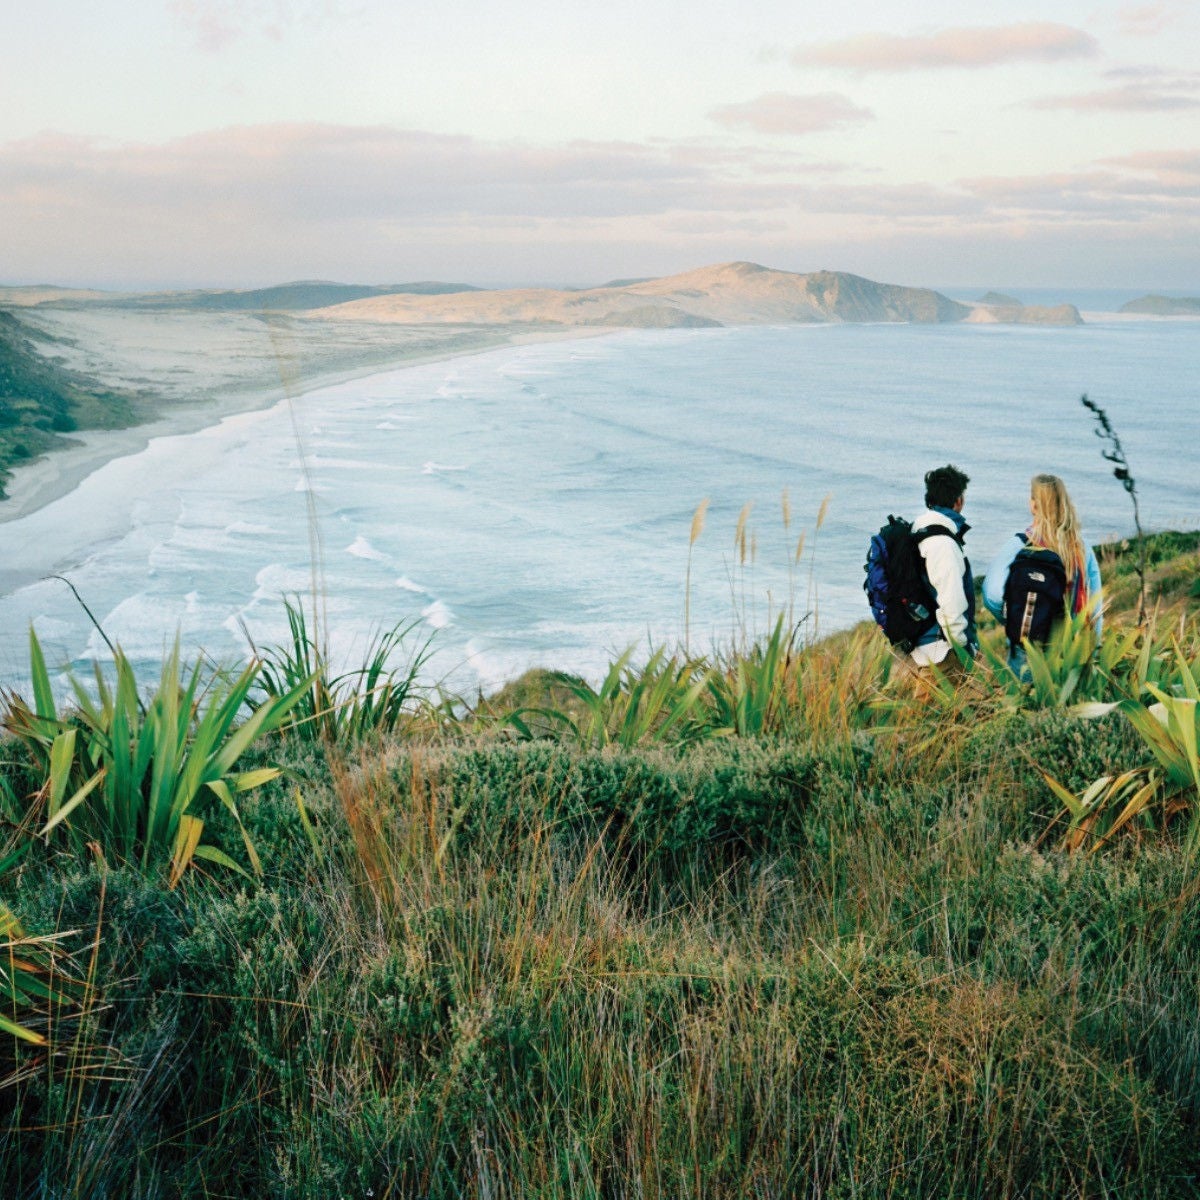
733, 794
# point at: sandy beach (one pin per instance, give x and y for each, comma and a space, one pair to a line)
195, 371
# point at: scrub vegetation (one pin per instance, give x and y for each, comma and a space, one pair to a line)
766, 923
41, 401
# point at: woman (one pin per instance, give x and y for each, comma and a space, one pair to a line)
1054, 528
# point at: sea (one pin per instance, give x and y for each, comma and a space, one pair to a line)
536, 505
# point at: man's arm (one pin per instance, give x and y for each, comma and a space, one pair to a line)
945, 566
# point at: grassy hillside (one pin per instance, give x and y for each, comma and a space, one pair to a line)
287, 297
40, 401
770, 924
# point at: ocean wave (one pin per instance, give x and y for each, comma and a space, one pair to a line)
278, 579
493, 670
406, 584
248, 527
330, 463
434, 468
437, 615
361, 548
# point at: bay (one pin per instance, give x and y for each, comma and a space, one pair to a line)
532, 505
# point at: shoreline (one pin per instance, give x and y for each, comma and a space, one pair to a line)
35, 485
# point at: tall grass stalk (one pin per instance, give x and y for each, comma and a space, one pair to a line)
693, 537
822, 513
280, 334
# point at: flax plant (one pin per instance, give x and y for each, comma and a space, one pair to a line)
1154, 793
375, 697
31, 979
134, 777
748, 694
658, 702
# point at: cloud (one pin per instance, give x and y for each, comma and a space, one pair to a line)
212, 25
1146, 20
1170, 166
326, 173
1091, 196
263, 203
1131, 98
310, 177
1146, 74
215, 25
782, 112
977, 46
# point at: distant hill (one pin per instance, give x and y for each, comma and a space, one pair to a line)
1002, 299
31, 295
738, 293
287, 297
1164, 306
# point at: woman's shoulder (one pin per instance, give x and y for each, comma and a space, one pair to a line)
1014, 544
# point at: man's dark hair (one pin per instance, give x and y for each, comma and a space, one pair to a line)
944, 486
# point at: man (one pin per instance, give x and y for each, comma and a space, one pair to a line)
948, 572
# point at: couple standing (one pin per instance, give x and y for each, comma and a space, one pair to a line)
1052, 539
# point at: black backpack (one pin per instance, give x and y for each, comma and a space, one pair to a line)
897, 587
1034, 595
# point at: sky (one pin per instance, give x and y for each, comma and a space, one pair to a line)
170, 143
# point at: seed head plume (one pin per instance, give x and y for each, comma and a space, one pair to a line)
821, 512
698, 521
739, 537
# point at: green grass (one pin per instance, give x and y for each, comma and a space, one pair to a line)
768, 925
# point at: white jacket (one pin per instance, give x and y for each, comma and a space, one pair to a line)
946, 566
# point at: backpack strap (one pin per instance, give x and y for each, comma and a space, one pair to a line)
919, 535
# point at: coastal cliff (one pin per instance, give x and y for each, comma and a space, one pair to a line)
1025, 314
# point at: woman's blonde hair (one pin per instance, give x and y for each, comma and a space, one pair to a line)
1055, 523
